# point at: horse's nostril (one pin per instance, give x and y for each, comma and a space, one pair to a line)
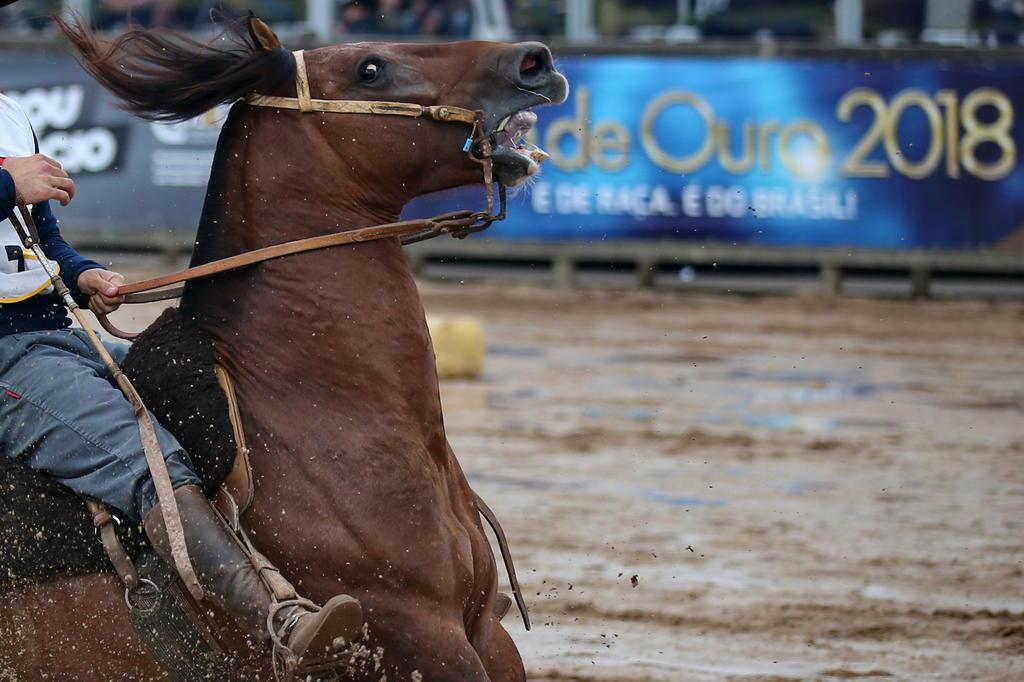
532, 64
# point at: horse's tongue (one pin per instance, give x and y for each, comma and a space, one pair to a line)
520, 124
510, 136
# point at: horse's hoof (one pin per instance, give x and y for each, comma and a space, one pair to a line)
502, 603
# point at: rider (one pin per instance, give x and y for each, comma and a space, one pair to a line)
60, 414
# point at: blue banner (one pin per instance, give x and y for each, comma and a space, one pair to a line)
779, 152
809, 152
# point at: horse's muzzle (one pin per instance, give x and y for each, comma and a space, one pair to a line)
528, 78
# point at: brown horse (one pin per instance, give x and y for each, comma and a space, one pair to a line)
357, 488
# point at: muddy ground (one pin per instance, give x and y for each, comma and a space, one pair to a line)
720, 488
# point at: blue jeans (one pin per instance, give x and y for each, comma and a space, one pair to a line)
60, 414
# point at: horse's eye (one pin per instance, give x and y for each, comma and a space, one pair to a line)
369, 71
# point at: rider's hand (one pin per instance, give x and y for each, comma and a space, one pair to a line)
101, 288
39, 178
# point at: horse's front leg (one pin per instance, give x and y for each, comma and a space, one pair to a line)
498, 653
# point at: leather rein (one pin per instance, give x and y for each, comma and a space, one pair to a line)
459, 224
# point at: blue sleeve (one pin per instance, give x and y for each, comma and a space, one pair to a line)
8, 194
71, 263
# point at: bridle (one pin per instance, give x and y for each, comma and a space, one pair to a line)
477, 139
459, 224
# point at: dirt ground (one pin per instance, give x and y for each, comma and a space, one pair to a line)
728, 488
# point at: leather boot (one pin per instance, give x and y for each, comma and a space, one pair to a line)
229, 579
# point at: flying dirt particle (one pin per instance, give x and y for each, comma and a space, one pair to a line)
634, 581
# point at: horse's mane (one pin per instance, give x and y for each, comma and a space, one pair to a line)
165, 76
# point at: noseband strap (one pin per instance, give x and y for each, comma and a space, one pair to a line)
306, 104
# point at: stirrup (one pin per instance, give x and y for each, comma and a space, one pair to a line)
283, 659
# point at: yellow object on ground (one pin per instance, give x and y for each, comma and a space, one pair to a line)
458, 346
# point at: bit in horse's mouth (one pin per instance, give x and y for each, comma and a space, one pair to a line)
511, 149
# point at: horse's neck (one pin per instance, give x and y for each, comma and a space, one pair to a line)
335, 343
273, 183
328, 337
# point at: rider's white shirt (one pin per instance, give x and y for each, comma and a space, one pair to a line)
21, 276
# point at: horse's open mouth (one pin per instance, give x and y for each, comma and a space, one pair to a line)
515, 159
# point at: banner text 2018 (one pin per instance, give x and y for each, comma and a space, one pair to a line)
957, 125
811, 152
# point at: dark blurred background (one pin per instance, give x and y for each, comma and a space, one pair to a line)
988, 23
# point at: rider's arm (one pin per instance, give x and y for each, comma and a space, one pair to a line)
7, 193
54, 246
72, 264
